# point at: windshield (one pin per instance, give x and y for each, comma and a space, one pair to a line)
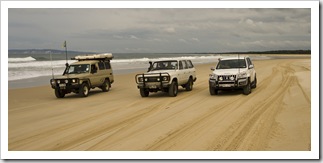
230, 64
165, 65
77, 69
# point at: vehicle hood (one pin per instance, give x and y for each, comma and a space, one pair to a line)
69, 76
161, 71
228, 71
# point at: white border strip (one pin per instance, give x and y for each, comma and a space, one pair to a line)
313, 154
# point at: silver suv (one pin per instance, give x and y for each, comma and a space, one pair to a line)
166, 76
233, 73
88, 72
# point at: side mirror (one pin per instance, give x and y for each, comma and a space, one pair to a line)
251, 66
212, 68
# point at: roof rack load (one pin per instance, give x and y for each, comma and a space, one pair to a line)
105, 56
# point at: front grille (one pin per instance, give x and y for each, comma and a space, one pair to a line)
226, 77
61, 81
152, 79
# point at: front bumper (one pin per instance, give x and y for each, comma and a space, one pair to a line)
63, 85
153, 81
153, 85
236, 84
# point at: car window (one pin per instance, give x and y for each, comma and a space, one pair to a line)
249, 62
101, 66
230, 64
180, 65
164, 65
77, 69
189, 64
107, 65
184, 65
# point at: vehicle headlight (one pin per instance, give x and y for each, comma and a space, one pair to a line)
53, 82
213, 76
158, 79
140, 79
73, 80
58, 81
165, 78
146, 79
231, 78
220, 78
242, 75
66, 81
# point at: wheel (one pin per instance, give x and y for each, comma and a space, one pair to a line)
106, 85
59, 93
247, 89
213, 91
189, 85
144, 92
254, 83
84, 90
173, 89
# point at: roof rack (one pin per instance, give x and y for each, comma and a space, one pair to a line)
105, 56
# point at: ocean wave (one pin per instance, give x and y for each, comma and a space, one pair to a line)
24, 59
145, 59
22, 68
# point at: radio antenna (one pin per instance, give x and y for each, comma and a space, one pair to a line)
65, 46
51, 64
239, 62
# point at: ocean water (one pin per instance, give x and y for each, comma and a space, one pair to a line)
24, 66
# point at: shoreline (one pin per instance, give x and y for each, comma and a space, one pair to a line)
44, 80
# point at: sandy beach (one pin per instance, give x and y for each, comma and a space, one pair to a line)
276, 116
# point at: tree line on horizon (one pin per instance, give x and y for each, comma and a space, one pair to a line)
38, 51
272, 52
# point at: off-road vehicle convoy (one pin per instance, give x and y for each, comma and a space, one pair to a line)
166, 76
88, 72
233, 73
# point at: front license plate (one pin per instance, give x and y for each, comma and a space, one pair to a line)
152, 87
62, 85
226, 85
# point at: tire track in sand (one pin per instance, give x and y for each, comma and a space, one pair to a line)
254, 129
90, 134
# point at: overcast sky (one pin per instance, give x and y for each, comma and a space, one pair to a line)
160, 30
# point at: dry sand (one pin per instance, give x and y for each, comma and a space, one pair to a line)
276, 116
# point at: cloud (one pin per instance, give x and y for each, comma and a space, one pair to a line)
133, 37
195, 39
162, 29
182, 40
169, 30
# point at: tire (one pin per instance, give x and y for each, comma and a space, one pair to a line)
213, 91
173, 89
59, 93
254, 83
247, 88
144, 92
84, 90
189, 85
106, 85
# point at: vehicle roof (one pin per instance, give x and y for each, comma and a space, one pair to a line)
85, 62
233, 58
172, 60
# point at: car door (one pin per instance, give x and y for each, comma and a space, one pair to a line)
190, 69
180, 72
109, 70
95, 75
251, 69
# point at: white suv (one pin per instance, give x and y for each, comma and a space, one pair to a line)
233, 73
166, 76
